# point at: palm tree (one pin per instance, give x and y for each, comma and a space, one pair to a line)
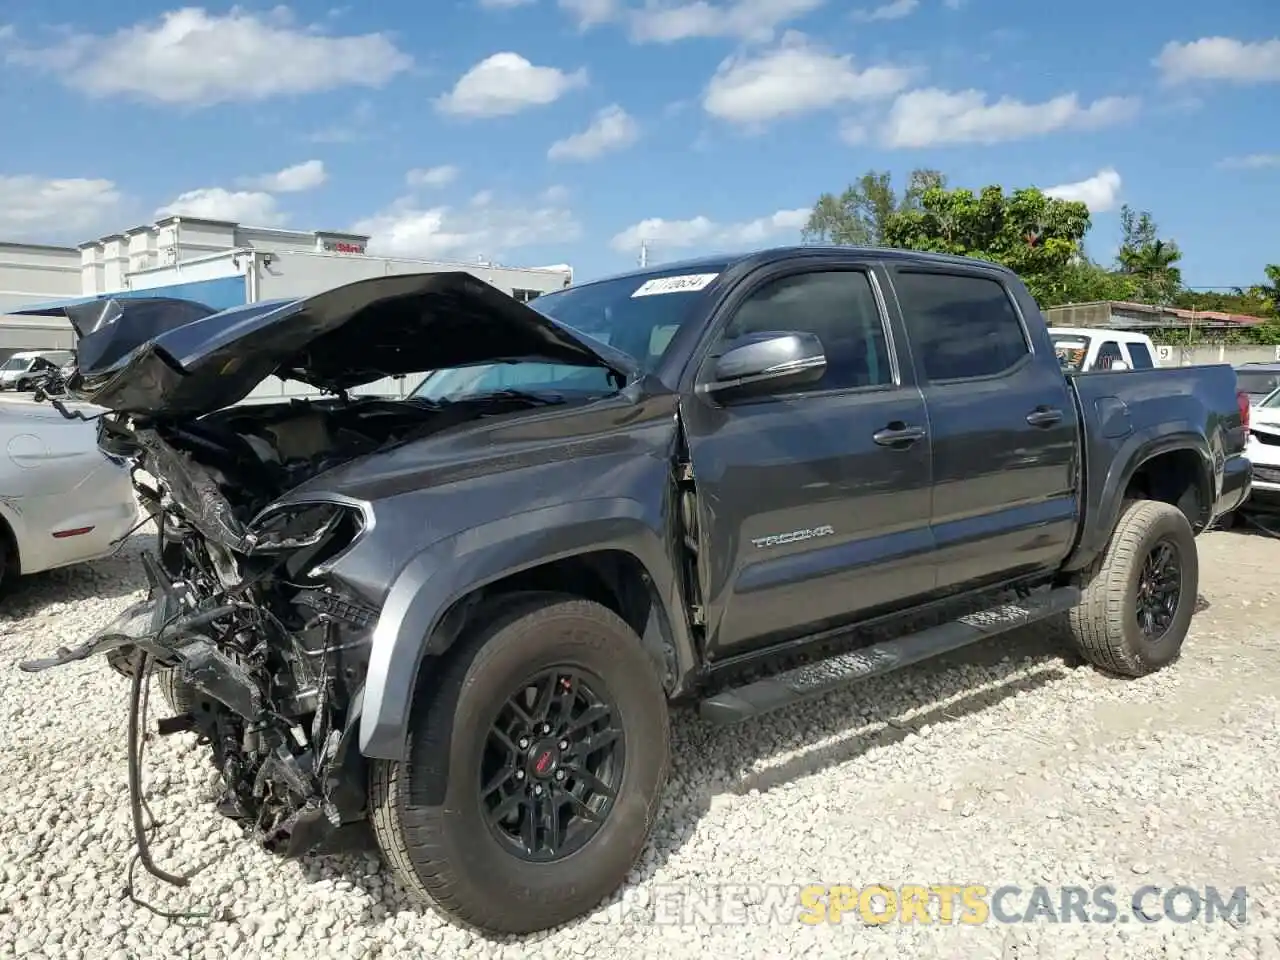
1146, 258
1269, 293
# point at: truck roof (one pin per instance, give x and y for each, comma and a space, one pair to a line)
1107, 332
725, 261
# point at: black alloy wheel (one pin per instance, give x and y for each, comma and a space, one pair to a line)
534, 767
1159, 589
1138, 596
553, 765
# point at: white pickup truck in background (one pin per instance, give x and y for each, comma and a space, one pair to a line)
1083, 349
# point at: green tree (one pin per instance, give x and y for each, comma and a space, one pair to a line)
859, 214
1250, 303
1147, 259
1038, 237
1084, 281
1268, 293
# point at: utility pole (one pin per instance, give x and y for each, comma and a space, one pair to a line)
644, 254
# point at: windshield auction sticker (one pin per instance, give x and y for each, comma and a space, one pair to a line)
688, 283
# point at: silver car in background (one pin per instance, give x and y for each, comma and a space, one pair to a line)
62, 500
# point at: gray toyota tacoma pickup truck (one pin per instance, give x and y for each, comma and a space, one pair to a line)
461, 616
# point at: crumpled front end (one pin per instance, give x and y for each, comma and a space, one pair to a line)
263, 653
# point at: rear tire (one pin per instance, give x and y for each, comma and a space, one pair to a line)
1125, 584
8, 559
430, 815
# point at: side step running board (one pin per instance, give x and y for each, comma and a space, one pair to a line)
823, 676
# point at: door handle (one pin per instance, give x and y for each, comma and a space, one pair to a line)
898, 434
1044, 417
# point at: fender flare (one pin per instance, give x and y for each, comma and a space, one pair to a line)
1136, 450
449, 569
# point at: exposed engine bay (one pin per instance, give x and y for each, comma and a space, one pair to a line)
260, 655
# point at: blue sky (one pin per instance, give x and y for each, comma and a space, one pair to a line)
535, 132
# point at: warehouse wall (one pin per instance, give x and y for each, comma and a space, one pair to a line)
29, 273
35, 333
304, 274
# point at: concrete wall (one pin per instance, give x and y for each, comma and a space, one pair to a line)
294, 274
30, 273
35, 333
1179, 356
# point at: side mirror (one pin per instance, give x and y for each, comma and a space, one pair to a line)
1119, 365
765, 362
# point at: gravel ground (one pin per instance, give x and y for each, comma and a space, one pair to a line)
1005, 764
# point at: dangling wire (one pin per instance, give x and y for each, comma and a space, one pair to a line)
138, 701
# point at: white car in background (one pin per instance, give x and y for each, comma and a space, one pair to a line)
62, 500
22, 369
1081, 349
1263, 451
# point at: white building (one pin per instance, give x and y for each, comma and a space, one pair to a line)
31, 272
215, 262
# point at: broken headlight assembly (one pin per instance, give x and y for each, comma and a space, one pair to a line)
303, 525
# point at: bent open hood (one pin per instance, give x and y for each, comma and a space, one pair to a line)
160, 358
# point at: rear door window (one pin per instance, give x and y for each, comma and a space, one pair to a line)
1141, 356
962, 327
1108, 354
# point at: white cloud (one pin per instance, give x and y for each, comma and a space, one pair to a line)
706, 233
664, 21
854, 132
295, 179
1254, 161
250, 207
591, 13
39, 209
357, 126
482, 229
190, 56
611, 129
556, 194
1220, 58
932, 117
1099, 193
893, 10
796, 77
507, 83
440, 176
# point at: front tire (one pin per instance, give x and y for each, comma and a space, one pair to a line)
179, 696
553, 698
1140, 594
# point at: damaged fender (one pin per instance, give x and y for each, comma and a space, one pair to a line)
412, 625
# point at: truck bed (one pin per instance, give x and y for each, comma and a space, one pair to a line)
1137, 413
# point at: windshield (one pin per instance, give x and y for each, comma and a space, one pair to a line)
1271, 401
637, 314
1257, 383
1071, 350
16, 363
